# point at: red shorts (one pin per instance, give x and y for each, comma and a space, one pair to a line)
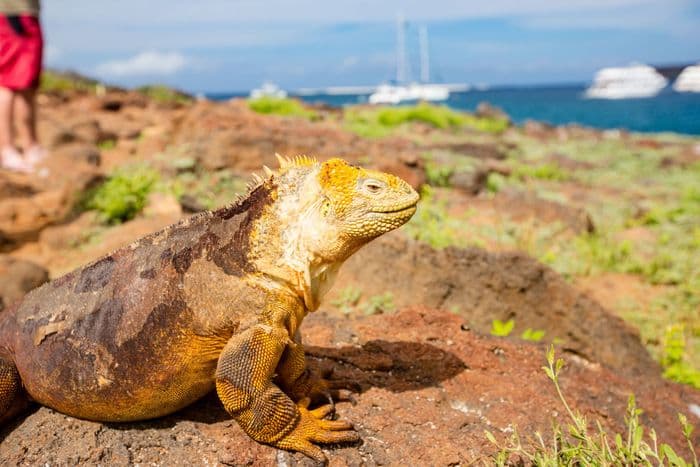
21, 46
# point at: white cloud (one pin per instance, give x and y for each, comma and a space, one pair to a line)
144, 63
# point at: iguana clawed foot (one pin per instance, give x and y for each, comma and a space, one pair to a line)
312, 427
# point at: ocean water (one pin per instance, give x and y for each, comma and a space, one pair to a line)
668, 111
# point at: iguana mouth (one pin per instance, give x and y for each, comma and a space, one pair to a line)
395, 209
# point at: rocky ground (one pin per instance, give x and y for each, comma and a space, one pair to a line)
428, 388
563, 235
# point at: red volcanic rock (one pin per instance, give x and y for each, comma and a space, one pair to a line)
427, 388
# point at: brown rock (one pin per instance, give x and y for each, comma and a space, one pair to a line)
17, 277
232, 136
483, 286
486, 110
79, 153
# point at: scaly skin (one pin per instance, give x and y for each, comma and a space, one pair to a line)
215, 301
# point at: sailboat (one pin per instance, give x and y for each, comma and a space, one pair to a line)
424, 90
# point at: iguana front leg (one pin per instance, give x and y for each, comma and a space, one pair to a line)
244, 384
298, 381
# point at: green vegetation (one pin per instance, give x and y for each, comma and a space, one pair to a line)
165, 94
431, 223
541, 172
123, 194
348, 299
383, 303
645, 209
437, 175
53, 81
502, 328
285, 107
381, 121
107, 144
533, 335
676, 367
578, 444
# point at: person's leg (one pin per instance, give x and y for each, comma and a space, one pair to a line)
25, 111
9, 157
6, 135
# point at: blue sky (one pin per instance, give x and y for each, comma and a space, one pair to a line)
230, 45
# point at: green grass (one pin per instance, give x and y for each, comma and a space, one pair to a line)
164, 94
577, 443
382, 121
123, 195
284, 107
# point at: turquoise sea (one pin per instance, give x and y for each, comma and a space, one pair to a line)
669, 111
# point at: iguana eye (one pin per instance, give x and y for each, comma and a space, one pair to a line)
373, 186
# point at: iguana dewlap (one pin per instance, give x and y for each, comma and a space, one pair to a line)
214, 301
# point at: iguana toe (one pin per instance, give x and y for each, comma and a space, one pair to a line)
313, 428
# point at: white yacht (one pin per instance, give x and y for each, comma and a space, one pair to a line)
688, 80
423, 91
268, 89
634, 81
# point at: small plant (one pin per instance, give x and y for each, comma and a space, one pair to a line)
377, 304
277, 106
495, 182
502, 328
438, 175
347, 299
673, 361
107, 144
123, 195
576, 444
533, 335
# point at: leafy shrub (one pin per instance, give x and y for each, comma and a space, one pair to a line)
123, 195
277, 106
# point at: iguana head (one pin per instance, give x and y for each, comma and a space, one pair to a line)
363, 204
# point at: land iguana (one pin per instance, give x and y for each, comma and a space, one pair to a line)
214, 301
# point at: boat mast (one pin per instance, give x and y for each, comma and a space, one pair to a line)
424, 55
401, 50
